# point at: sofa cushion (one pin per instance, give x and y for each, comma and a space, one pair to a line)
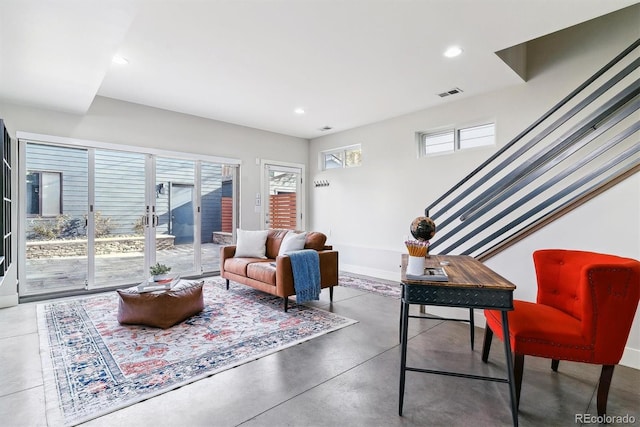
315, 240
239, 265
160, 309
292, 242
264, 272
251, 244
274, 240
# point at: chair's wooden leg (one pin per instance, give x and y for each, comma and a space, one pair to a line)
227, 284
331, 294
554, 364
518, 367
603, 388
488, 336
286, 304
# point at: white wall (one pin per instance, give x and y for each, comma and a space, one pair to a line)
366, 211
118, 122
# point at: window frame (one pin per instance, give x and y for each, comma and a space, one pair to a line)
40, 173
457, 143
340, 154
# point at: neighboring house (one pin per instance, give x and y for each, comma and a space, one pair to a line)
57, 184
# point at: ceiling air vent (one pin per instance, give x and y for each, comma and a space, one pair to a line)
325, 128
453, 91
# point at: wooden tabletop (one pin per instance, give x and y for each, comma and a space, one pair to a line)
463, 271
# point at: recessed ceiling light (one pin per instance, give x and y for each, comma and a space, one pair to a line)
120, 60
299, 111
453, 51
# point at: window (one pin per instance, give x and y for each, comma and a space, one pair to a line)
342, 158
44, 193
456, 139
438, 143
477, 136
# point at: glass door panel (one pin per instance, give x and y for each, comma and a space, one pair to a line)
96, 218
218, 213
282, 208
119, 209
175, 208
55, 232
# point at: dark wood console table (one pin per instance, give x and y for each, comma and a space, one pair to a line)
471, 285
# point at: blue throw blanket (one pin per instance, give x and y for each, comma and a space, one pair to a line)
306, 274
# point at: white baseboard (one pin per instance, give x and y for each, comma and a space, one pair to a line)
372, 272
8, 300
631, 358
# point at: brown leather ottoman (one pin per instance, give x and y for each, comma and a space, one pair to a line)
161, 309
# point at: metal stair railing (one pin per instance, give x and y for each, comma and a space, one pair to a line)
517, 188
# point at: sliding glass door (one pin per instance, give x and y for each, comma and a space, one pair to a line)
119, 203
175, 207
95, 218
218, 217
54, 210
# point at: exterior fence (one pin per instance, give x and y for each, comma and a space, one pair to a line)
282, 209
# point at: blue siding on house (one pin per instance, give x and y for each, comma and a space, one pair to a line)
227, 188
72, 162
173, 171
170, 171
120, 184
211, 200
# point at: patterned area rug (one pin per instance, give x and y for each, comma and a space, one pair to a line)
93, 365
376, 286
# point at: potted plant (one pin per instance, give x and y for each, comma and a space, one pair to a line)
160, 272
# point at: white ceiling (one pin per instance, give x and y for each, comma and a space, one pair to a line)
252, 62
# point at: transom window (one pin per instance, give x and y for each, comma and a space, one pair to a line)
44, 193
345, 157
451, 140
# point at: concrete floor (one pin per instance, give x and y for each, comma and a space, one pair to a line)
345, 378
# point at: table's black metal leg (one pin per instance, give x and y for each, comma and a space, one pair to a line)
507, 354
403, 357
401, 308
472, 327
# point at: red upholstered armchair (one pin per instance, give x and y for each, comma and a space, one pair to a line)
584, 310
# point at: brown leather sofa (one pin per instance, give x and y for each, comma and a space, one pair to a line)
277, 279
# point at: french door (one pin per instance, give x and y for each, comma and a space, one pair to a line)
283, 195
94, 217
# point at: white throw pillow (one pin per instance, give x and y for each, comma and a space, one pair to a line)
292, 242
251, 244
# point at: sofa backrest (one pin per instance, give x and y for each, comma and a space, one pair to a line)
313, 240
274, 240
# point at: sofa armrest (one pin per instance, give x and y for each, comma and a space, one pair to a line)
328, 267
328, 272
226, 252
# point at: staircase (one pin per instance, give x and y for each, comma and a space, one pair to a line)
583, 145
